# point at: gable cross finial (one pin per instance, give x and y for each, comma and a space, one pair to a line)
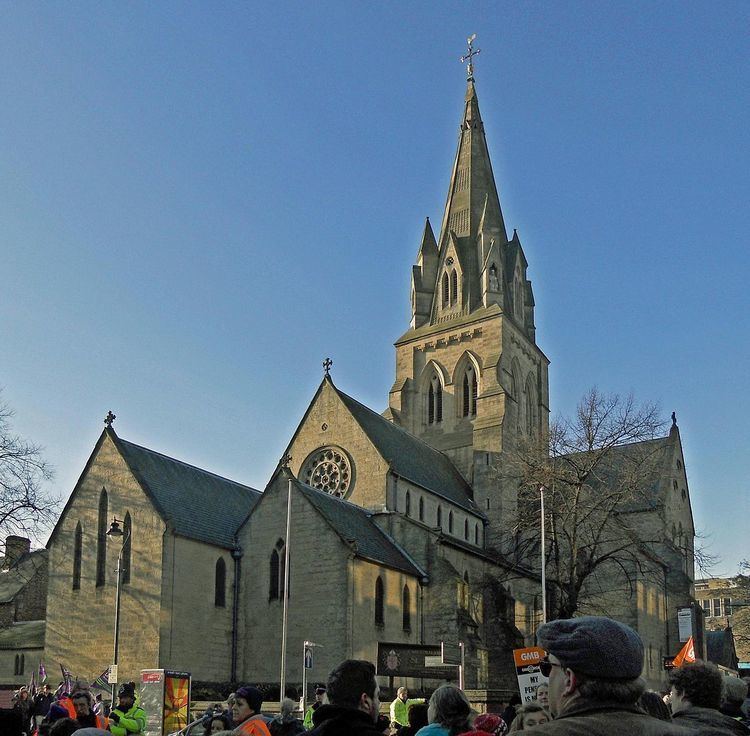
327, 363
470, 54
284, 462
674, 419
109, 419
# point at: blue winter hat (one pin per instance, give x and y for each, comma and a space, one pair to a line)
596, 646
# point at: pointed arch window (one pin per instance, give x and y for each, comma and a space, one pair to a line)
20, 664
435, 400
379, 602
276, 569
466, 529
421, 508
408, 503
127, 531
454, 286
77, 552
101, 541
530, 408
445, 290
450, 522
469, 406
220, 583
406, 609
439, 516
476, 534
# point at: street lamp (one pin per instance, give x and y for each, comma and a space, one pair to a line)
115, 532
544, 558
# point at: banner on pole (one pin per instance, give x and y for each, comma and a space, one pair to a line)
528, 671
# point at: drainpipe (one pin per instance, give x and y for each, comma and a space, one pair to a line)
237, 557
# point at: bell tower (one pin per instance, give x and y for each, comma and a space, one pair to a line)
470, 379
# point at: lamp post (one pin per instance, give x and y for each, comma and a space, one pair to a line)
544, 558
115, 532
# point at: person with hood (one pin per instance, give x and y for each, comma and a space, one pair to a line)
353, 702
128, 718
695, 698
246, 704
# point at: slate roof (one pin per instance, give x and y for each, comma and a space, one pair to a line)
411, 458
199, 505
648, 456
14, 580
23, 635
354, 524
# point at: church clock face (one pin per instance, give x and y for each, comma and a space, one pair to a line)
329, 469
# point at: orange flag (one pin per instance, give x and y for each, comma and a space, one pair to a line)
686, 654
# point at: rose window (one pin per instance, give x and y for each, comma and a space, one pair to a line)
329, 470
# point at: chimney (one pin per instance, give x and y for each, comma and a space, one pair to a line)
15, 548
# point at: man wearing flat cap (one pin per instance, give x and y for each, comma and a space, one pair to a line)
594, 668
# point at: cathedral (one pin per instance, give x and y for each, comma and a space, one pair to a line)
399, 520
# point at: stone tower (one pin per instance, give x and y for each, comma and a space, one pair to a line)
470, 379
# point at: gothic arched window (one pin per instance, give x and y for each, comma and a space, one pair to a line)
454, 287
127, 530
446, 291
450, 522
379, 602
101, 541
530, 408
77, 552
220, 583
435, 400
476, 534
439, 516
466, 529
406, 609
470, 392
421, 508
408, 503
276, 571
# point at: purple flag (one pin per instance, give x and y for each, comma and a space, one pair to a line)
42, 672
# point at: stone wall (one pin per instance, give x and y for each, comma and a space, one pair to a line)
80, 623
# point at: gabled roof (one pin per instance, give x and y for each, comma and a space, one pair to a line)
196, 503
410, 458
15, 579
23, 635
355, 526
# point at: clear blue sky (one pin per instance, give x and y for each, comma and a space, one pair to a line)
201, 201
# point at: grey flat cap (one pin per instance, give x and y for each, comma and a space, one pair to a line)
595, 646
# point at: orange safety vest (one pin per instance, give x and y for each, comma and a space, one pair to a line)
253, 727
102, 722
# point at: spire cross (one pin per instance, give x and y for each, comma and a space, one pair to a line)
327, 363
471, 53
284, 462
109, 419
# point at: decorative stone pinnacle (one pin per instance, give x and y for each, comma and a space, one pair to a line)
109, 419
327, 363
470, 54
674, 419
284, 462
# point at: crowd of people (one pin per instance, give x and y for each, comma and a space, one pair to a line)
593, 687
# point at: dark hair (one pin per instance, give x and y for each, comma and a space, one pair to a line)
450, 708
64, 727
617, 691
699, 682
417, 716
225, 718
652, 704
349, 680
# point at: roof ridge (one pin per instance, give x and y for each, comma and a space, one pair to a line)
400, 429
188, 465
334, 499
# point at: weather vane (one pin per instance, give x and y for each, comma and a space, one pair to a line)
470, 54
327, 363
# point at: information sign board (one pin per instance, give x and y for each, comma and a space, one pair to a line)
400, 660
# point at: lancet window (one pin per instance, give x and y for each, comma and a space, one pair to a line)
435, 400
469, 391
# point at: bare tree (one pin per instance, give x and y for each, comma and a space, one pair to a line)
26, 507
598, 472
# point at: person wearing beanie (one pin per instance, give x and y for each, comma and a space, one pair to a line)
246, 705
594, 666
128, 718
695, 698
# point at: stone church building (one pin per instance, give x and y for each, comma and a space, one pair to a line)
399, 525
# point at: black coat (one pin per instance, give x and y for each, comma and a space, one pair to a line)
701, 718
333, 720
